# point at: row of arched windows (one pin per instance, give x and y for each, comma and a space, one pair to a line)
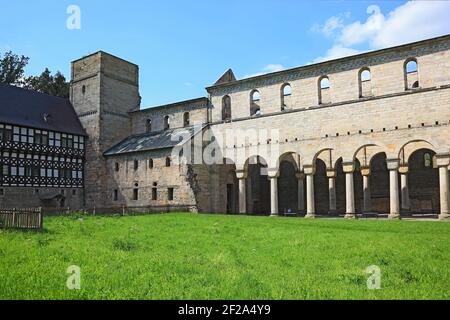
166, 125
365, 90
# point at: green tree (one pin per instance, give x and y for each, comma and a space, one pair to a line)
47, 83
12, 68
12, 71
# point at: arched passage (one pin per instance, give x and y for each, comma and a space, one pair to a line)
287, 188
379, 184
423, 182
258, 187
358, 183
321, 194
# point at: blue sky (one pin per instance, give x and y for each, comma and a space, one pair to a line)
184, 46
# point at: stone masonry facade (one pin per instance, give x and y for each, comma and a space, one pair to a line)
365, 134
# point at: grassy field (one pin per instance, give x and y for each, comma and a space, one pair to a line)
187, 256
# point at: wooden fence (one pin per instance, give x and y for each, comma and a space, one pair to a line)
21, 218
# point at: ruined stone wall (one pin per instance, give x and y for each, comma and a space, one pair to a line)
387, 69
145, 178
29, 197
197, 115
391, 121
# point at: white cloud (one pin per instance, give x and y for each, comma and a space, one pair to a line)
358, 32
270, 68
331, 25
337, 52
412, 21
415, 20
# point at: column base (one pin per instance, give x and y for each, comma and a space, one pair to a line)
350, 216
394, 216
310, 216
274, 215
444, 217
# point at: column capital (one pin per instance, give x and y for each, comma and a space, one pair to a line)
365, 171
403, 169
443, 159
309, 170
331, 173
393, 164
300, 175
348, 167
241, 174
273, 173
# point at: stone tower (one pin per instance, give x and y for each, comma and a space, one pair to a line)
104, 89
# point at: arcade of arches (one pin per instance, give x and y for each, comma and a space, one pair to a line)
417, 182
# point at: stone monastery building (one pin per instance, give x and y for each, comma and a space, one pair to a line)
362, 134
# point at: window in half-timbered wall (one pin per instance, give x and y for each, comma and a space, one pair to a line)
5, 132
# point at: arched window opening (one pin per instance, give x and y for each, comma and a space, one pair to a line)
365, 83
155, 191
255, 103
226, 108
411, 74
427, 160
149, 125
166, 123
150, 163
186, 119
168, 161
324, 90
286, 93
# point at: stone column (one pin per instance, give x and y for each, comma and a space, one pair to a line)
242, 176
301, 191
349, 168
331, 174
443, 161
310, 204
273, 177
393, 165
405, 204
367, 202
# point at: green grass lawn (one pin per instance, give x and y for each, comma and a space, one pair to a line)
187, 256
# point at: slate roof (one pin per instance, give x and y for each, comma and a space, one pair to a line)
154, 140
27, 108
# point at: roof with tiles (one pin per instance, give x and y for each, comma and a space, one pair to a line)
29, 108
